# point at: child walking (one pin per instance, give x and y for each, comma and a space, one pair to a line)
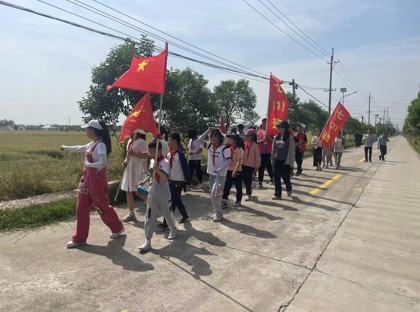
93, 186
179, 175
338, 150
195, 147
234, 173
251, 162
158, 198
135, 167
218, 160
317, 150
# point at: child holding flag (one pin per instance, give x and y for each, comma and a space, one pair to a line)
93, 187
158, 198
135, 167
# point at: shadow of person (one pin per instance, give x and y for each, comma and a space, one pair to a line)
188, 254
276, 204
247, 229
312, 204
118, 255
206, 237
260, 213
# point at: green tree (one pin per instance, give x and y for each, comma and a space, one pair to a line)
107, 106
412, 121
187, 102
236, 102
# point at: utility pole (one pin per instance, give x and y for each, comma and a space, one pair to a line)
370, 95
362, 119
332, 62
294, 86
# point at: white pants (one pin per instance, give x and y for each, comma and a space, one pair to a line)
157, 206
217, 184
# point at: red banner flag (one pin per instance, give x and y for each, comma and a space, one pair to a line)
334, 125
141, 117
145, 74
222, 125
278, 105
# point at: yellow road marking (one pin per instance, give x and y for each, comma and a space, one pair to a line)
325, 185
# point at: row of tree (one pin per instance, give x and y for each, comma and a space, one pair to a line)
188, 101
412, 121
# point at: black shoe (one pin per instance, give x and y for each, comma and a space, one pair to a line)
276, 197
184, 219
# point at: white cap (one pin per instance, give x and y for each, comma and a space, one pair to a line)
94, 123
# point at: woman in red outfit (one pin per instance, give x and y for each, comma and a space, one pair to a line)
93, 187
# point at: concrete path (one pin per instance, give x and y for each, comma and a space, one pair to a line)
353, 244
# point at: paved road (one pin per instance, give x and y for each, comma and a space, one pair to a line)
348, 240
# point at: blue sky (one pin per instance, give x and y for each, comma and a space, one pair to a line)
45, 65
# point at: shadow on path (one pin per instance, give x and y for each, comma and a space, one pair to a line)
118, 255
247, 229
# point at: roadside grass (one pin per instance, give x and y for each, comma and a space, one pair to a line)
415, 142
31, 163
39, 215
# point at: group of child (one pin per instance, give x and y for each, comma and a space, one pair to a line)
159, 176
323, 155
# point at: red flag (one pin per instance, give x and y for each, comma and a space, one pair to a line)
278, 105
334, 125
145, 74
141, 117
222, 125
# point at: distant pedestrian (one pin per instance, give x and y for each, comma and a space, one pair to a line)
234, 173
251, 162
317, 150
382, 145
135, 169
338, 150
93, 186
195, 149
302, 139
265, 146
368, 140
283, 155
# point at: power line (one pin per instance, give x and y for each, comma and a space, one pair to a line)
313, 97
172, 36
294, 28
138, 29
114, 36
280, 29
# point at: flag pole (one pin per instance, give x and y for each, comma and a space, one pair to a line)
160, 108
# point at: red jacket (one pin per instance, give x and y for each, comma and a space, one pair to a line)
268, 143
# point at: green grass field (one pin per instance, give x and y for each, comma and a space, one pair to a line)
31, 163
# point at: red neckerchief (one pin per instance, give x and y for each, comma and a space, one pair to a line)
247, 145
171, 158
213, 155
157, 176
232, 149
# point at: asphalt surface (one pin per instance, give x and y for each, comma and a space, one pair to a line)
347, 240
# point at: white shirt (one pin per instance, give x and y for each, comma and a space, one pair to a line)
194, 147
338, 145
165, 147
99, 154
176, 172
218, 160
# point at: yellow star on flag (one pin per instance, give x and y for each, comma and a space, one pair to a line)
142, 65
137, 113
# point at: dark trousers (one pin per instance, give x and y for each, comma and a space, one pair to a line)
265, 164
176, 188
368, 153
383, 151
230, 180
299, 160
281, 171
195, 166
247, 173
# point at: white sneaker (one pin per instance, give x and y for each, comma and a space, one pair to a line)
217, 218
289, 193
116, 235
172, 234
72, 244
147, 245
